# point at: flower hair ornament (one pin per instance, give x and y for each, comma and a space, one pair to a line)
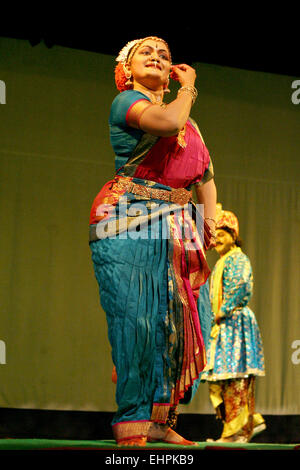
122, 75
124, 53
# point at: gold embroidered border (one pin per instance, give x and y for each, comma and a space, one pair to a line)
160, 412
230, 375
190, 374
176, 195
130, 429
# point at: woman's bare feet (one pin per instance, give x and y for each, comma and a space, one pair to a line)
163, 433
134, 442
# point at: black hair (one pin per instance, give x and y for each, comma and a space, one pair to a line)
237, 239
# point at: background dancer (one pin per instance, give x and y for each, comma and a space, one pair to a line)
235, 353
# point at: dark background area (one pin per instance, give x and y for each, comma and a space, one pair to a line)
84, 425
244, 39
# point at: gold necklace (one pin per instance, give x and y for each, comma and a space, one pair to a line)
154, 99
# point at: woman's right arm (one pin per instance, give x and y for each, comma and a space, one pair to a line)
169, 120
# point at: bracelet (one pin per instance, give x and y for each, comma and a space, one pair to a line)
190, 89
210, 218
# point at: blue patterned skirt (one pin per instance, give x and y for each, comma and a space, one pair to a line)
155, 294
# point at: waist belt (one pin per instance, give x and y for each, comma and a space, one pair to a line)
177, 196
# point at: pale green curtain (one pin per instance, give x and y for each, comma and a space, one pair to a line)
55, 155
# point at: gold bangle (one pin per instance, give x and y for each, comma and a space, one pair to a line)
190, 89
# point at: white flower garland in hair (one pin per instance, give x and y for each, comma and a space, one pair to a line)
125, 51
123, 54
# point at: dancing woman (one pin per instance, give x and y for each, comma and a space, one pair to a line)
148, 242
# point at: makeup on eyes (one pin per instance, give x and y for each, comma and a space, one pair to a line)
161, 52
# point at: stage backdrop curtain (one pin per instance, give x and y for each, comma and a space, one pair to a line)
55, 155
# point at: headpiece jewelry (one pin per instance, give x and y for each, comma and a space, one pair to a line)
127, 51
122, 77
226, 219
123, 54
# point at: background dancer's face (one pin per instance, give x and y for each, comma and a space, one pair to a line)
150, 65
224, 242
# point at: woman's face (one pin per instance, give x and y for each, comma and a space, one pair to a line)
150, 64
224, 241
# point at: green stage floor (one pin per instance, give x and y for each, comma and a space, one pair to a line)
47, 444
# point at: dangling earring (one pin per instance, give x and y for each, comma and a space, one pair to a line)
129, 81
127, 75
166, 86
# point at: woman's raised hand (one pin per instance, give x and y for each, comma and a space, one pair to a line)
184, 74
